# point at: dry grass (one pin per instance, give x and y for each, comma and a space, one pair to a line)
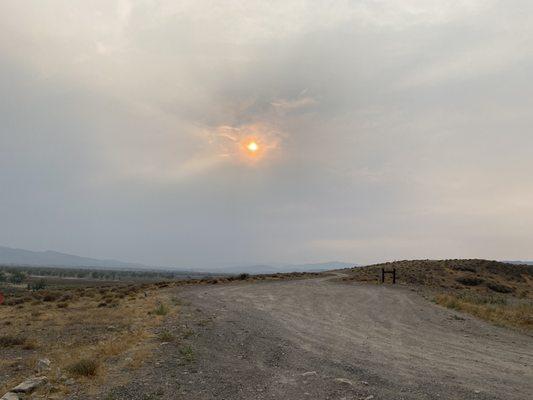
84, 367
83, 340
111, 325
166, 336
161, 309
495, 309
187, 353
12, 340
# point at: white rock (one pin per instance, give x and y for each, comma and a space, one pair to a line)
29, 385
10, 396
43, 365
344, 380
309, 373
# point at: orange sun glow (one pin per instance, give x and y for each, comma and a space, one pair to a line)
252, 146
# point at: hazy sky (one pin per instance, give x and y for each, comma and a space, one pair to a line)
386, 129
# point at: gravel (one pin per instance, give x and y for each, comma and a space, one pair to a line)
317, 339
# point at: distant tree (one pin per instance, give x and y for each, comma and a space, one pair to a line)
3, 277
17, 277
39, 285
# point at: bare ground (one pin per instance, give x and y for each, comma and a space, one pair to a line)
318, 339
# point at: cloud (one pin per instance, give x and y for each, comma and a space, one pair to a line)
389, 129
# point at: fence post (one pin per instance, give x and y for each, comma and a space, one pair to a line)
393, 273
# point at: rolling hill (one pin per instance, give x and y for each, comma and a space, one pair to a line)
12, 256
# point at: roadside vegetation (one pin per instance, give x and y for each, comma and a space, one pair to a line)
498, 292
88, 334
18, 274
500, 310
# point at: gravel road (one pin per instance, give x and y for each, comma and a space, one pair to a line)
318, 339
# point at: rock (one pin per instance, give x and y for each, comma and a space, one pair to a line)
43, 365
309, 373
344, 380
29, 385
10, 396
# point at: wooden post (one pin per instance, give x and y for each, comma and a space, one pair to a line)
393, 273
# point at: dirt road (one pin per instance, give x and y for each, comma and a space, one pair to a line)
317, 339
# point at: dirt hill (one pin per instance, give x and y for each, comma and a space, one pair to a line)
480, 275
499, 292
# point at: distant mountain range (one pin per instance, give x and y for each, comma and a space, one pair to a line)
520, 262
21, 257
10, 256
272, 269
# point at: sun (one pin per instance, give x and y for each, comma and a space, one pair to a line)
252, 146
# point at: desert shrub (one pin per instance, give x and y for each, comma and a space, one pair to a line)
465, 268
243, 277
448, 301
188, 353
14, 301
65, 297
475, 298
496, 287
39, 285
161, 309
469, 281
83, 367
51, 296
17, 277
29, 345
166, 336
62, 305
11, 340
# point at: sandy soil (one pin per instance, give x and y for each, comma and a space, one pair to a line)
319, 339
